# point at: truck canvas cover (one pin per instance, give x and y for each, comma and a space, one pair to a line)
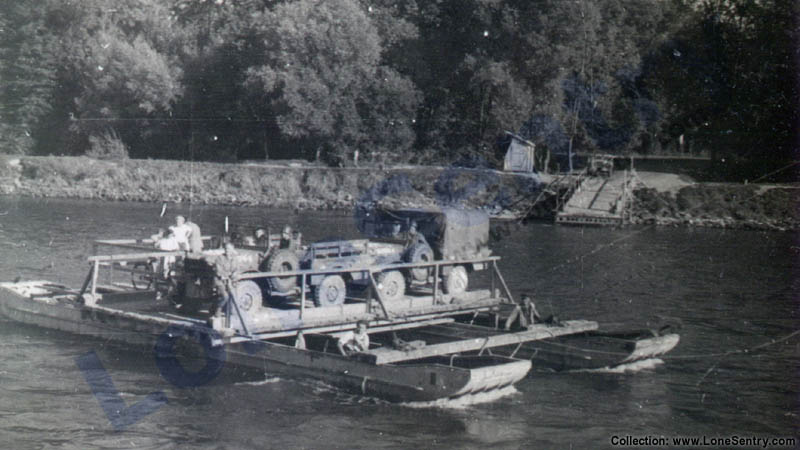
453, 233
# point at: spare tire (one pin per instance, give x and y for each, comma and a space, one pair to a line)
417, 253
281, 261
456, 281
248, 296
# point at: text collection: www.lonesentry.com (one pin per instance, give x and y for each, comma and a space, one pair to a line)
703, 441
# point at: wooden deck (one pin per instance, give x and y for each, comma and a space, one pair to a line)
598, 201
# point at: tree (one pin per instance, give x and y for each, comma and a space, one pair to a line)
27, 74
115, 70
575, 61
473, 89
585, 62
324, 81
730, 78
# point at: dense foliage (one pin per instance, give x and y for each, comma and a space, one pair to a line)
421, 81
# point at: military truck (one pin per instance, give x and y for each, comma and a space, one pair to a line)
450, 234
330, 289
396, 237
400, 236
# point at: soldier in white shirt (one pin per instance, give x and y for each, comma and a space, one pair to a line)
182, 232
354, 342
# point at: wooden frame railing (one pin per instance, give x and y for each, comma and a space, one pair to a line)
436, 266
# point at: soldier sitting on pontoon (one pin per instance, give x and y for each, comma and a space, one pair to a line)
354, 342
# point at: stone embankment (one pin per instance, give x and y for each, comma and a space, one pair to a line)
662, 199
667, 199
771, 208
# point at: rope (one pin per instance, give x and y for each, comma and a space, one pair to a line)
686, 357
770, 343
776, 171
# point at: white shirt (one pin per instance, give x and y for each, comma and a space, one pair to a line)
169, 243
182, 233
359, 342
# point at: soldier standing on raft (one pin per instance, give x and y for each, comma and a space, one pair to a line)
195, 238
188, 235
226, 270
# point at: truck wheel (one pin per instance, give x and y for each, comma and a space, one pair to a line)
419, 253
248, 296
456, 281
330, 292
392, 285
281, 261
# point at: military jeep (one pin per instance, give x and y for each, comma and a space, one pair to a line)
193, 276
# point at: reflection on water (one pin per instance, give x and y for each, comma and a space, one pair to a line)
723, 290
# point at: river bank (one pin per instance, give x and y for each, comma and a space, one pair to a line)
281, 185
662, 199
666, 199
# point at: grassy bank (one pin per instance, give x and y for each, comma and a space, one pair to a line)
663, 198
725, 205
301, 187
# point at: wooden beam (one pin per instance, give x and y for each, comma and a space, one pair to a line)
503, 282
374, 329
379, 268
378, 295
111, 288
95, 273
337, 330
534, 333
86, 283
133, 256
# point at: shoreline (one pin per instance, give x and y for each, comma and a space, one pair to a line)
661, 199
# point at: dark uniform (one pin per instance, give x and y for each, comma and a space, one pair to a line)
525, 313
226, 270
414, 237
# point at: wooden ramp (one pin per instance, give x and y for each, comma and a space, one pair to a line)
599, 201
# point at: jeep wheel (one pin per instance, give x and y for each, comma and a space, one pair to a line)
330, 292
392, 285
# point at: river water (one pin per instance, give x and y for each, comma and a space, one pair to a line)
725, 291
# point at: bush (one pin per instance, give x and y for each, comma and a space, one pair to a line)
107, 145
